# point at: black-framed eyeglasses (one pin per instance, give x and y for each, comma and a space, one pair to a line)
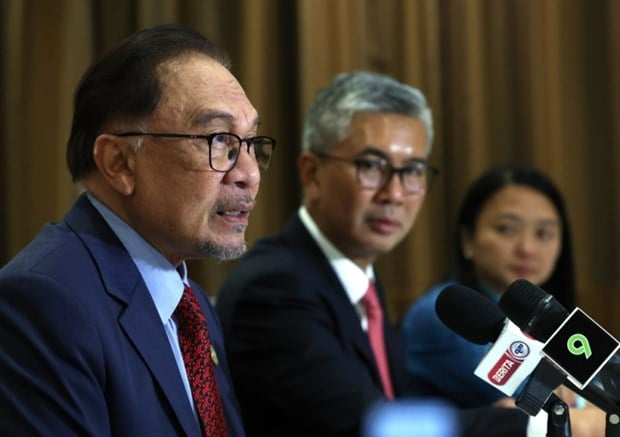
222, 149
376, 172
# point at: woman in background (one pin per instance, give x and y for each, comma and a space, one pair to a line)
512, 224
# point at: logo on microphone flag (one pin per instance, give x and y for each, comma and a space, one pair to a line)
510, 360
580, 347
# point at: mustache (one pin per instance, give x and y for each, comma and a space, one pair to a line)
243, 203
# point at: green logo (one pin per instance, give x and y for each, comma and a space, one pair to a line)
578, 345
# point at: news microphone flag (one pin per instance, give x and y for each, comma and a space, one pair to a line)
511, 359
580, 347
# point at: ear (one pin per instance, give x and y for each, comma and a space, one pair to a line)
465, 240
115, 159
307, 165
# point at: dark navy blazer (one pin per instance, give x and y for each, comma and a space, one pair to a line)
299, 358
82, 348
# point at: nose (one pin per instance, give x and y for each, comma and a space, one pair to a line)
392, 190
245, 173
526, 243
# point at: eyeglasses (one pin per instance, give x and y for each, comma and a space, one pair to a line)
222, 149
374, 173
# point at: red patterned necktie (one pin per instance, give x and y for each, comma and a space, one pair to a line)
374, 314
199, 365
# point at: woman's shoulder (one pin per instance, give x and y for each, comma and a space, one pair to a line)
422, 311
429, 297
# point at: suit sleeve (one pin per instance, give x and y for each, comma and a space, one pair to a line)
51, 365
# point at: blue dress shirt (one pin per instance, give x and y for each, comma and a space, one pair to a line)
164, 282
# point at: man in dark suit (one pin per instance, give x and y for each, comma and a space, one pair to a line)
300, 337
97, 315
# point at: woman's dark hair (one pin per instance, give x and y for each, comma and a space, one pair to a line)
561, 283
123, 85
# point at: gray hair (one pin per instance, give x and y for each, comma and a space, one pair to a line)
329, 118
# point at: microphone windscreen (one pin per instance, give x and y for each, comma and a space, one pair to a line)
470, 314
533, 310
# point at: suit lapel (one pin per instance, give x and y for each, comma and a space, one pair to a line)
330, 287
143, 327
139, 319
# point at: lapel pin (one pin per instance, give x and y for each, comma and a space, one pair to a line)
214, 356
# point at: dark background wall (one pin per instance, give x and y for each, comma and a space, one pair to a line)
535, 81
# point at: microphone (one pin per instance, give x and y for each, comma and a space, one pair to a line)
576, 345
476, 319
513, 356
479, 320
469, 314
536, 312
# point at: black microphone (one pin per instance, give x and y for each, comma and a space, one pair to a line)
540, 315
533, 310
477, 319
469, 314
576, 346
473, 316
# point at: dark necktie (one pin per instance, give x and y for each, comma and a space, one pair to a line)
199, 365
374, 314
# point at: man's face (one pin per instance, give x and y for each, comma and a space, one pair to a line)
180, 205
366, 222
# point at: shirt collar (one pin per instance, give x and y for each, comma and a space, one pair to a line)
353, 279
163, 281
